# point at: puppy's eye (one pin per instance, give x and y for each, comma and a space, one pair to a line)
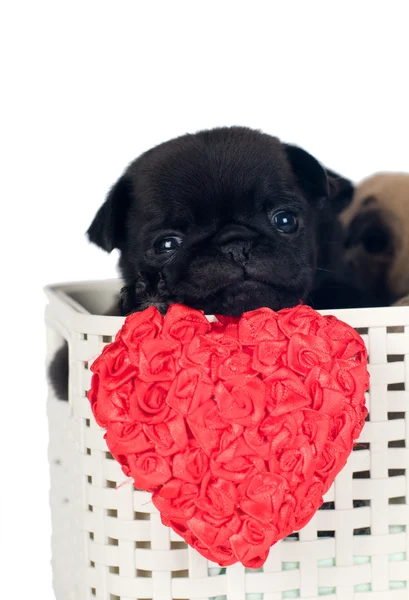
168, 244
285, 221
376, 241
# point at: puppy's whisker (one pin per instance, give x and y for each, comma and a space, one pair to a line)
308, 295
325, 270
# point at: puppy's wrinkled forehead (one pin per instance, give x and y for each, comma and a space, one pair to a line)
212, 175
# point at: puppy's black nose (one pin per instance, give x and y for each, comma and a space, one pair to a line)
238, 251
236, 241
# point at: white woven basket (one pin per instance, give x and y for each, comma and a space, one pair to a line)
109, 543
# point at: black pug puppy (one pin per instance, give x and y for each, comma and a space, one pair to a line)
226, 220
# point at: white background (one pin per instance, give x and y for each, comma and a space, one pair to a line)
89, 85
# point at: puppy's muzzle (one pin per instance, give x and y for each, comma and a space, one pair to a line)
236, 243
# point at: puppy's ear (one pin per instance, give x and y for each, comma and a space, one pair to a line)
107, 230
341, 191
310, 175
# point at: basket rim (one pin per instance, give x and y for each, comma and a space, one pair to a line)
58, 295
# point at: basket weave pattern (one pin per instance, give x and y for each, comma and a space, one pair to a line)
109, 543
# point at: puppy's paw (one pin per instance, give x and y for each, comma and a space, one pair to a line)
142, 294
58, 373
403, 301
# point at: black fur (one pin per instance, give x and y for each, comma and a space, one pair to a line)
218, 190
341, 191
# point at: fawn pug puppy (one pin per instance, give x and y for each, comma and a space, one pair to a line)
377, 237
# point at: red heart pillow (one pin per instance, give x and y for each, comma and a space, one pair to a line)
237, 427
